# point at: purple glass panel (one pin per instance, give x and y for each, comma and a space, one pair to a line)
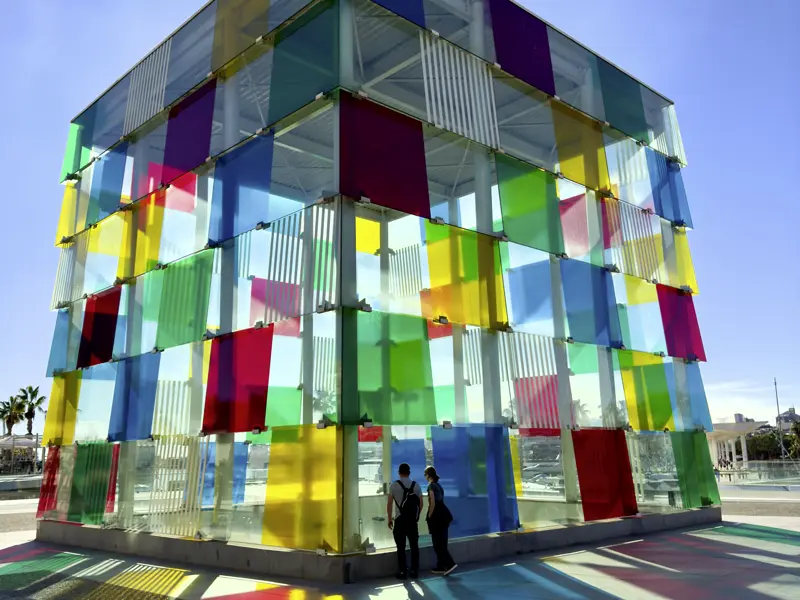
189, 132
520, 40
413, 10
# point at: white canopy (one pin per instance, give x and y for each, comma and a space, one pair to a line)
19, 441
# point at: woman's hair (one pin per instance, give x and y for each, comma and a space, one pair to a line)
431, 472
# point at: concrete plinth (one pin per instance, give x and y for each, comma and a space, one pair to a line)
350, 568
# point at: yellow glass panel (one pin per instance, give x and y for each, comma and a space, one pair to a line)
662, 275
69, 217
581, 148
368, 236
303, 505
640, 291
646, 391
516, 464
62, 411
149, 220
685, 268
466, 278
107, 237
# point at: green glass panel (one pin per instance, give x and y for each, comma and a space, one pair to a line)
395, 381
306, 60
529, 202
72, 155
582, 359
283, 406
646, 391
445, 397
622, 98
184, 300
87, 501
695, 471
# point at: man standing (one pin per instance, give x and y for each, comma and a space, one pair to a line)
406, 496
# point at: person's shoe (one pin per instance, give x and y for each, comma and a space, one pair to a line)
413, 575
402, 575
438, 571
450, 570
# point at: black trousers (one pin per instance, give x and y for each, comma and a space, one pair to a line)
439, 538
401, 531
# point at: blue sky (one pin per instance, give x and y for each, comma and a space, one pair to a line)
729, 65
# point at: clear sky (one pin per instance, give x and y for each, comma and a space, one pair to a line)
730, 66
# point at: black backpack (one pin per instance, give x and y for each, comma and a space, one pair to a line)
409, 506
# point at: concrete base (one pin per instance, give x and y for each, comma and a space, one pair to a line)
348, 569
20, 483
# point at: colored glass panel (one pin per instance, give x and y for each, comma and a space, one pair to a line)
521, 44
49, 489
238, 24
530, 296
576, 74
97, 389
134, 398
646, 391
581, 150
303, 506
306, 60
183, 310
695, 471
411, 452
590, 304
60, 344
236, 400
146, 152
466, 277
639, 314
477, 474
580, 216
62, 410
604, 474
395, 382
111, 496
72, 153
233, 455
73, 212
530, 205
87, 501
680, 268
413, 10
99, 327
107, 183
188, 143
190, 54
390, 175
284, 406
242, 181
680, 324
622, 98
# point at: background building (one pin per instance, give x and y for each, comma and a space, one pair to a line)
304, 241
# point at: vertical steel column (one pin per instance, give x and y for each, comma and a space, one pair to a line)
385, 348
459, 388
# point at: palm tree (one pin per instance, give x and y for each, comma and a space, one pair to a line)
12, 412
33, 403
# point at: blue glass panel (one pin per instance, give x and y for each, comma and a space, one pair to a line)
530, 296
589, 300
474, 464
58, 348
411, 452
239, 473
679, 204
697, 397
190, 54
413, 10
107, 180
134, 398
669, 193
241, 197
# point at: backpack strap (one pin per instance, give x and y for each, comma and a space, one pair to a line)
404, 488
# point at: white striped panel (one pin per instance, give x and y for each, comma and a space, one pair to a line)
63, 287
405, 272
458, 90
324, 365
633, 244
536, 390
473, 365
173, 404
148, 84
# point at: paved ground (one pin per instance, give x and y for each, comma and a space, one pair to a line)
747, 557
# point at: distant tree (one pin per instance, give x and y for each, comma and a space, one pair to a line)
764, 446
33, 403
12, 412
581, 411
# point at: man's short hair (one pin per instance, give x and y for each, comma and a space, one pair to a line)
404, 469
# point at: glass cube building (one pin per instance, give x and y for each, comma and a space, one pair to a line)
303, 241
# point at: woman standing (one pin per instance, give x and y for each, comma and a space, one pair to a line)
439, 519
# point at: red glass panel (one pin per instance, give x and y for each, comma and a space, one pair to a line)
680, 324
112, 480
383, 157
47, 495
604, 474
574, 225
99, 325
370, 434
238, 379
537, 401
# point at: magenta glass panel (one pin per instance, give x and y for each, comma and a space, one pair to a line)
99, 326
391, 174
680, 324
189, 132
520, 40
